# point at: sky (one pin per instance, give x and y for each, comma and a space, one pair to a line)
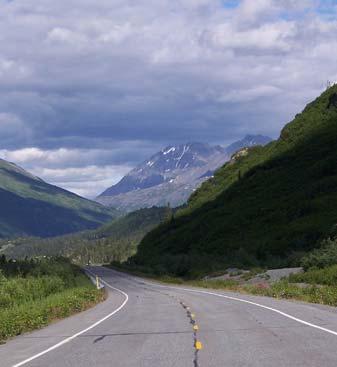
89, 89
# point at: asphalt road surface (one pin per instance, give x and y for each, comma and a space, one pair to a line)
143, 324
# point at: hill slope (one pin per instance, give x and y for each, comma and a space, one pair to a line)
171, 175
265, 207
30, 206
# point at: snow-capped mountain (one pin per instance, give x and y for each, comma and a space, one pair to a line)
169, 176
165, 166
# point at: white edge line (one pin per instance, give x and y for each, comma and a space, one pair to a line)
67, 340
251, 303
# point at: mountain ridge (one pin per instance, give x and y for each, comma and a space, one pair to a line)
30, 206
170, 175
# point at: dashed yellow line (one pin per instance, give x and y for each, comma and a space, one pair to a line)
198, 345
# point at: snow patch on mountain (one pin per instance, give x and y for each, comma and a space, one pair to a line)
172, 174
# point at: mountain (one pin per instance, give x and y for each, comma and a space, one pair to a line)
171, 175
266, 207
30, 206
114, 241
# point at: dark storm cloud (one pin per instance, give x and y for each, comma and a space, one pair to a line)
90, 86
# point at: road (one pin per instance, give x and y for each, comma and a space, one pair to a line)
144, 324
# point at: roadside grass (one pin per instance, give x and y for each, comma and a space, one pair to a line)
318, 287
326, 295
325, 276
34, 300
36, 314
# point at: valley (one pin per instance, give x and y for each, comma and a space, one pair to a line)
168, 183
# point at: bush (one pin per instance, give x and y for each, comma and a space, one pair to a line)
33, 315
327, 276
35, 292
19, 290
325, 256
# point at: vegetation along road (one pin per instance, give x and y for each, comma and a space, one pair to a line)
144, 323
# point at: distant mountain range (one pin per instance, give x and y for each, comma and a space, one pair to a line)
31, 207
171, 175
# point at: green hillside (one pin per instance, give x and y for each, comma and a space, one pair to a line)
114, 241
30, 206
265, 207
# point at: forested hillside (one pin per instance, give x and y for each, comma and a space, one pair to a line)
115, 241
267, 206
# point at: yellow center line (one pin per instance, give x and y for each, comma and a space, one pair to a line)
198, 345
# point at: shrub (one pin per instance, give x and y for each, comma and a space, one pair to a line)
326, 276
325, 256
34, 292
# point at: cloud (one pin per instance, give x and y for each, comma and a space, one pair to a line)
252, 94
104, 84
12, 129
270, 37
66, 157
85, 181
64, 35
252, 10
75, 170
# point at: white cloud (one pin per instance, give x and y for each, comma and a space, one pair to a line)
85, 181
272, 36
116, 33
5, 65
250, 94
73, 170
12, 70
60, 34
54, 158
252, 10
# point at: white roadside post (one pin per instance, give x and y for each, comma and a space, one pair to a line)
97, 282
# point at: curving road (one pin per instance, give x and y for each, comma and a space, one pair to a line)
144, 324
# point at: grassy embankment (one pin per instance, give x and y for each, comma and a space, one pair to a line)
35, 293
284, 289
